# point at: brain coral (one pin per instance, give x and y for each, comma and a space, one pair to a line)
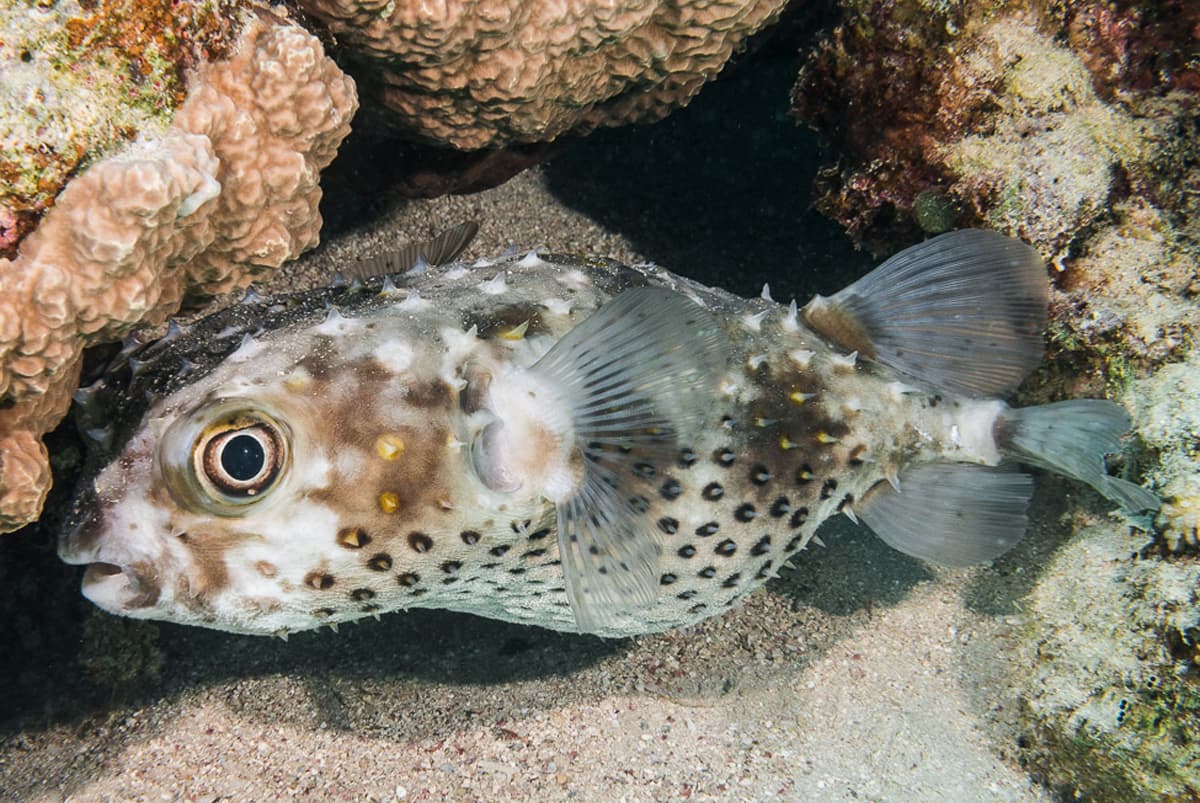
227, 193
487, 73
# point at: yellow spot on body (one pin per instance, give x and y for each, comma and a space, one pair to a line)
825, 437
389, 502
352, 537
515, 332
297, 381
785, 443
804, 474
389, 446
799, 397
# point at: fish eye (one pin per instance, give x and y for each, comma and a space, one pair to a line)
223, 456
240, 459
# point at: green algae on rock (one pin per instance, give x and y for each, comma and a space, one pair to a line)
83, 77
1107, 670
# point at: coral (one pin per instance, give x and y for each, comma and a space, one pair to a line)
226, 194
80, 78
1107, 671
488, 73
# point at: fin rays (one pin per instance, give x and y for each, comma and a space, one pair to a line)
635, 372
963, 312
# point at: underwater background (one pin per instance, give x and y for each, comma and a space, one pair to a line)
1065, 669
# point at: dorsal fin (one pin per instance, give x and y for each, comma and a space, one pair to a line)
963, 312
443, 248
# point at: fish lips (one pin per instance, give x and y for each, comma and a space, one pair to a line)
117, 584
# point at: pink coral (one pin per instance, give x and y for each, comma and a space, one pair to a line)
228, 193
488, 73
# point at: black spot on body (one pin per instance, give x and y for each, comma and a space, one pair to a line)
668, 525
318, 580
534, 553
451, 566
723, 457
686, 594
645, 471
639, 504
732, 580
470, 537
764, 571
408, 579
667, 579
848, 499
794, 544
713, 491
380, 562
686, 551
697, 608
745, 513
759, 475
538, 535
762, 546
708, 572
420, 542
362, 594
671, 489
780, 507
726, 548
799, 516
498, 551
687, 458
705, 530
828, 487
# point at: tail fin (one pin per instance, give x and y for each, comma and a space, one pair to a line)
1072, 438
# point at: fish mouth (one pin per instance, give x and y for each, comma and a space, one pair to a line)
118, 589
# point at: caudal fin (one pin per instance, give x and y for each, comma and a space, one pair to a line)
1071, 438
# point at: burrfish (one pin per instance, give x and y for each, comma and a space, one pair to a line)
572, 442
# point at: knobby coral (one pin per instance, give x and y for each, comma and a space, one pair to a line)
487, 73
226, 194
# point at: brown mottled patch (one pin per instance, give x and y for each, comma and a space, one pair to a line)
430, 394
208, 551
494, 322
266, 568
145, 580
322, 359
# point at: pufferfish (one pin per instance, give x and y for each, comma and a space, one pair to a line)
574, 443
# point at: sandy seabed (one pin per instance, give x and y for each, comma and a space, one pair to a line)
860, 675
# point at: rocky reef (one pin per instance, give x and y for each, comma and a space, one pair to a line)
194, 185
1073, 126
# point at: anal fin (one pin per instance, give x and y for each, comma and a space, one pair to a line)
955, 514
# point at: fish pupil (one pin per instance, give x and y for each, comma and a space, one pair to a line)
243, 457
